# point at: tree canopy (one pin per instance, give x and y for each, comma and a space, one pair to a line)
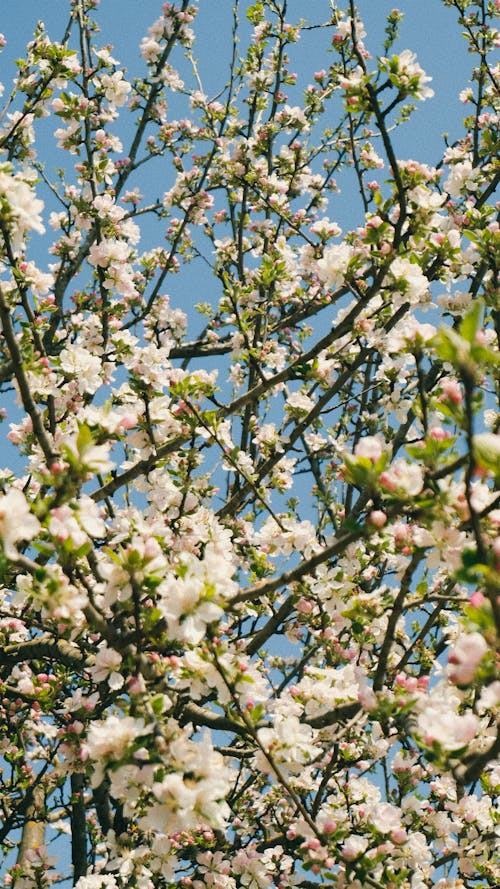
249, 500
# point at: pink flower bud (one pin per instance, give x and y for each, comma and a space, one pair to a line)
438, 433
377, 518
399, 835
451, 391
304, 606
476, 599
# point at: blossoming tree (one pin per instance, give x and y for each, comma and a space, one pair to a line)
249, 554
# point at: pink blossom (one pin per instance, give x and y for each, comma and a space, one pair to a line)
465, 657
477, 599
451, 390
403, 477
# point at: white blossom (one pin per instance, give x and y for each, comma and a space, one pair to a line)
332, 267
20, 209
17, 522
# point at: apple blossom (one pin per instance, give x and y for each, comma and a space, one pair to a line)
407, 75
465, 656
333, 266
20, 210
409, 279
439, 724
17, 522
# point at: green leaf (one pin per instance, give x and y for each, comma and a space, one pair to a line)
456, 349
472, 236
158, 705
84, 439
255, 13
470, 323
469, 558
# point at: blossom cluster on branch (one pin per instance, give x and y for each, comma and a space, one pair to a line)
249, 535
